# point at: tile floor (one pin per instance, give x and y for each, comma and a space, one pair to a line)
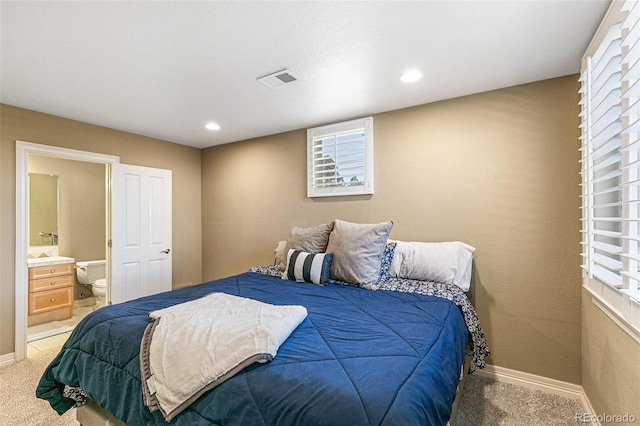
52, 335
47, 344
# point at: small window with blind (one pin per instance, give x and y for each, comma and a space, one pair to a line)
340, 159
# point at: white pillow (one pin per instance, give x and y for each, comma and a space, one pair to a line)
280, 255
447, 262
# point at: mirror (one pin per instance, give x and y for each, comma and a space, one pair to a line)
43, 210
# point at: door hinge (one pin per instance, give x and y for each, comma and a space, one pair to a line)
110, 243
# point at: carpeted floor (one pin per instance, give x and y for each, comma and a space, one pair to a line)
484, 402
18, 403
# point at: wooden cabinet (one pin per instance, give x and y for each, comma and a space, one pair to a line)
50, 293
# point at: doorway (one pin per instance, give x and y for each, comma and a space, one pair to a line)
23, 151
67, 225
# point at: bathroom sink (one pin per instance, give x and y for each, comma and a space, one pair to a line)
51, 260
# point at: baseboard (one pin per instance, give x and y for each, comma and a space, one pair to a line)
544, 384
588, 408
7, 359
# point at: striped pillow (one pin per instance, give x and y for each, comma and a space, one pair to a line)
308, 267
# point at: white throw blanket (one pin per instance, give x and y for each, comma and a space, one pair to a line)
192, 347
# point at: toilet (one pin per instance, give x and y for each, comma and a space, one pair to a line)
93, 272
99, 287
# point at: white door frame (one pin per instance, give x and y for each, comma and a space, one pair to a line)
23, 149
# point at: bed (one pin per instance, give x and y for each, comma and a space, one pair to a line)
389, 353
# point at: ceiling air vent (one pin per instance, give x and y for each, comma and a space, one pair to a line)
277, 79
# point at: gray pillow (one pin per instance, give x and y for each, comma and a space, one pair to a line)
357, 250
312, 240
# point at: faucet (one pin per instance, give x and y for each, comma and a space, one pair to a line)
52, 235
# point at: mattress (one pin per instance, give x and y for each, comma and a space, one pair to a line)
360, 357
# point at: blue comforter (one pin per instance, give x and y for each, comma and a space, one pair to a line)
361, 357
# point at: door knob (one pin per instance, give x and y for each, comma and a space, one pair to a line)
167, 251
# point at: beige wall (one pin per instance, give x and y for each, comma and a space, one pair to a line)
30, 126
497, 170
610, 363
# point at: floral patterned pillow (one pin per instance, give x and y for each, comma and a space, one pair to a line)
387, 258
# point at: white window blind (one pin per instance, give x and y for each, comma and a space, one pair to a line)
630, 137
610, 157
601, 160
340, 159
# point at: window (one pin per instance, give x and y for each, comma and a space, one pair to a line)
340, 159
610, 125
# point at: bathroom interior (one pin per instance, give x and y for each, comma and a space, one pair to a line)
67, 244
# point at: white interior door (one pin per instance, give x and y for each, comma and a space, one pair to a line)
140, 232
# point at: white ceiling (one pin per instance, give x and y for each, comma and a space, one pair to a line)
165, 69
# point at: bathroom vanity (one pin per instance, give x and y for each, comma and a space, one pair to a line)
51, 281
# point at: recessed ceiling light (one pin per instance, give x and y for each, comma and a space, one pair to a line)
411, 76
212, 126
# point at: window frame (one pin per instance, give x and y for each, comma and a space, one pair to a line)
363, 124
618, 298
